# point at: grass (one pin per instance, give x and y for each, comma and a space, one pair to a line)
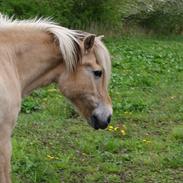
144, 143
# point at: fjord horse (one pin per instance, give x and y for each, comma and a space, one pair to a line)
34, 53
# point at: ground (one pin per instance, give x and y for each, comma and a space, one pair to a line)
144, 143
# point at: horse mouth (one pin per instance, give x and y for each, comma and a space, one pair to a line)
96, 124
92, 124
96, 127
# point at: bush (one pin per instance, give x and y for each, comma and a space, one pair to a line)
156, 15
104, 16
70, 13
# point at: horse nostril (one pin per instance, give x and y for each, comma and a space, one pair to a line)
109, 119
100, 123
95, 122
94, 118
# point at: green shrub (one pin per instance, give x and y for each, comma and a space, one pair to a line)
155, 15
70, 13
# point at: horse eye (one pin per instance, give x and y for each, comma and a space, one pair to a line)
97, 73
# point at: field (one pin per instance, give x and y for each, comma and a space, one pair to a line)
144, 144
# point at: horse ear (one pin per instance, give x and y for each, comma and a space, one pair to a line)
89, 42
100, 37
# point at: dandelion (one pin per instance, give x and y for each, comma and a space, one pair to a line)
116, 128
50, 157
123, 132
110, 128
146, 141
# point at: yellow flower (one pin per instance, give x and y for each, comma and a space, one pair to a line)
116, 128
123, 132
146, 141
110, 127
50, 157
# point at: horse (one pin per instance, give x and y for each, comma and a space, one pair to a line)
37, 52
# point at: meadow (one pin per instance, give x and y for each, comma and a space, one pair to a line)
143, 144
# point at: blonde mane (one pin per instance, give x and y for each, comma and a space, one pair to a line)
103, 58
68, 40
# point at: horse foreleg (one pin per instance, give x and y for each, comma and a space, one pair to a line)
5, 153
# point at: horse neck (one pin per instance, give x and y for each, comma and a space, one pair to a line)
38, 60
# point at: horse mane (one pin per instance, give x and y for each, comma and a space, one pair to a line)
103, 57
69, 40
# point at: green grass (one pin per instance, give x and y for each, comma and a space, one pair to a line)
52, 144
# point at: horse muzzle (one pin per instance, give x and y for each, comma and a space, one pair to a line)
101, 117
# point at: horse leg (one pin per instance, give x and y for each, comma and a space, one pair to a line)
7, 123
5, 153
